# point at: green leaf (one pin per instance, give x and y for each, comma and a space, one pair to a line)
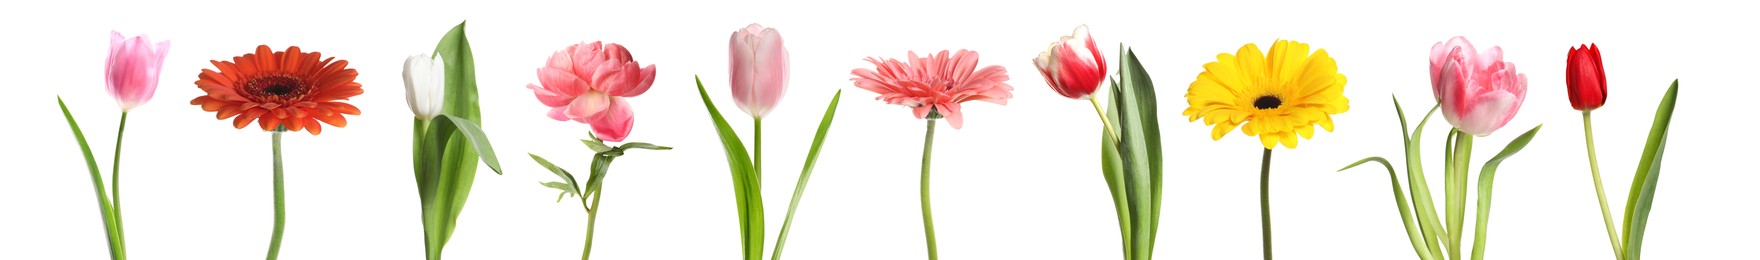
596, 145
446, 125
1421, 200
567, 189
1486, 174
569, 178
1643, 194
800, 187
1133, 167
750, 202
456, 166
641, 145
112, 227
1399, 199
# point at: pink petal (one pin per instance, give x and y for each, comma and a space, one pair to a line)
587, 105
550, 98
951, 112
615, 122
561, 81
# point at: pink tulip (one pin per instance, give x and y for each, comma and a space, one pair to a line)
1478, 91
758, 65
1073, 66
587, 83
132, 72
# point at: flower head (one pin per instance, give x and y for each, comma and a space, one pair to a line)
132, 72
936, 84
1073, 65
1478, 91
292, 89
1586, 82
424, 84
587, 83
1276, 96
758, 66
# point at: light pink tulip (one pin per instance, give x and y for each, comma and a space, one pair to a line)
758, 66
132, 72
587, 83
1478, 91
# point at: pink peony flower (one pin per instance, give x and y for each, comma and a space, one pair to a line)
1479, 92
936, 84
132, 72
587, 83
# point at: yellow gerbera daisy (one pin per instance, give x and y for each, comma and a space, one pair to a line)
1275, 96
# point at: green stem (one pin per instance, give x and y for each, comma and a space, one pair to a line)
1103, 121
928, 219
1265, 202
758, 148
1600, 194
592, 216
1457, 195
117, 181
111, 230
116, 176
280, 196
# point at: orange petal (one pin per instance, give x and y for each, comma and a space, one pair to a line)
246, 117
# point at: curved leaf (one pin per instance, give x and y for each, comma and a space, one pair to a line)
1486, 174
1638, 202
1399, 199
800, 187
750, 202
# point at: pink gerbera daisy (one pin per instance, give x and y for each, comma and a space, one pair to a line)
935, 86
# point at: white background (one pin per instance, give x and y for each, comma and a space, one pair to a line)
1018, 182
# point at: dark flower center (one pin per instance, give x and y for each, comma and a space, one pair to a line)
1267, 102
276, 87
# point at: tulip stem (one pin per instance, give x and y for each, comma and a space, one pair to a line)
1103, 121
1600, 194
928, 219
758, 148
280, 196
1265, 202
116, 178
1457, 194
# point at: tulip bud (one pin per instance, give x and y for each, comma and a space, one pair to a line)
132, 72
424, 84
1073, 66
758, 66
1586, 81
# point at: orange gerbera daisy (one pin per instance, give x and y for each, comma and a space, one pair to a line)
290, 89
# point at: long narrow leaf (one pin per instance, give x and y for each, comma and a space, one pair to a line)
1421, 199
111, 229
1643, 192
568, 178
1405, 213
749, 199
1113, 170
1486, 174
800, 187
1140, 150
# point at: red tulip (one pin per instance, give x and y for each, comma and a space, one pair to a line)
1586, 80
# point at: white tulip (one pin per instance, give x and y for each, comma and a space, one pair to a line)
424, 84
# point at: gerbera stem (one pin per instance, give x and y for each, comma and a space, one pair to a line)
928, 219
1103, 121
1265, 202
1600, 194
116, 179
280, 197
